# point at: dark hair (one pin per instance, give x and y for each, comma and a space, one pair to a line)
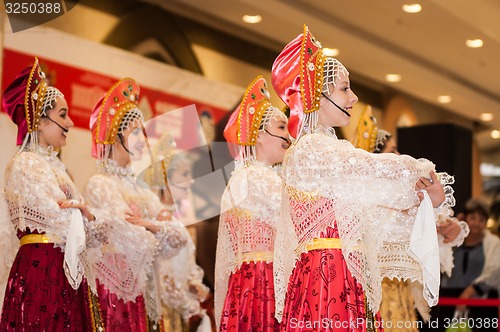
476, 206
206, 113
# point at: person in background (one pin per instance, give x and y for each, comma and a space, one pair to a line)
183, 290
477, 268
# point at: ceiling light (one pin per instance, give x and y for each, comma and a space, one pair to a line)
252, 19
474, 43
444, 99
412, 8
393, 77
331, 51
486, 116
495, 134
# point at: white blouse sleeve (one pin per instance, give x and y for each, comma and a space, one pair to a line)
337, 170
32, 192
371, 198
171, 237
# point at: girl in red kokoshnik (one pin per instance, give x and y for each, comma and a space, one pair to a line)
348, 215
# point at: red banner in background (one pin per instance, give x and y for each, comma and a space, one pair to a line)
82, 89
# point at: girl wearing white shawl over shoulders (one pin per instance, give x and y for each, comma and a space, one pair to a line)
125, 264
349, 217
258, 136
45, 290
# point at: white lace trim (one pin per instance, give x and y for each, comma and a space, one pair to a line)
35, 180
125, 258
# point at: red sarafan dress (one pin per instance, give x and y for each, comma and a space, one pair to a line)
126, 266
348, 219
244, 289
39, 295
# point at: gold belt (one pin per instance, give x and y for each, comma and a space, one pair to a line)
259, 256
324, 243
36, 238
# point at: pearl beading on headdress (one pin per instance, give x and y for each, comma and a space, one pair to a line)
257, 111
381, 140
35, 98
50, 96
332, 69
118, 109
311, 68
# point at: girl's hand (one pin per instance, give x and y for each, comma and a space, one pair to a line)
73, 203
433, 188
450, 229
138, 221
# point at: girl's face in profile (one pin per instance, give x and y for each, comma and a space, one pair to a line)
271, 149
340, 93
50, 134
133, 141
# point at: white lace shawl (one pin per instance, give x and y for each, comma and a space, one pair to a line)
124, 260
250, 210
371, 197
182, 280
35, 180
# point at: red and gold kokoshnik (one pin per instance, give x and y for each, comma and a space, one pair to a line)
120, 98
311, 71
34, 96
243, 125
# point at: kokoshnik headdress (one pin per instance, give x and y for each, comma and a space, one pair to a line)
368, 136
26, 100
300, 74
251, 116
112, 115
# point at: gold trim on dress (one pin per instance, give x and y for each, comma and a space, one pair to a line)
259, 256
95, 312
300, 195
36, 238
324, 243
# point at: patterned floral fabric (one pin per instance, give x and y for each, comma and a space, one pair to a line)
249, 304
39, 297
119, 315
322, 295
398, 306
